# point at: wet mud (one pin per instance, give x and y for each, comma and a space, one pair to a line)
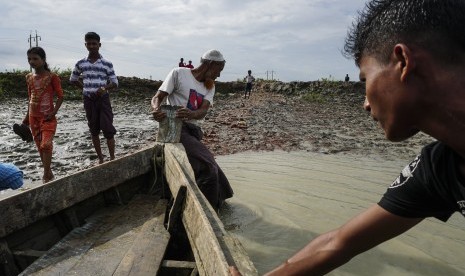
73, 148
265, 122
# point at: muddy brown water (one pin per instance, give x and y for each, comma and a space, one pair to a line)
282, 200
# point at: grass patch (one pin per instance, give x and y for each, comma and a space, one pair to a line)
313, 97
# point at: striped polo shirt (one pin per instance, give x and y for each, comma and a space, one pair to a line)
94, 75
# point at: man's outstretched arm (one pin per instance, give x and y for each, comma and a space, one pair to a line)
333, 249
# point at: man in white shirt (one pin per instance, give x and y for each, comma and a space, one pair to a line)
249, 79
193, 90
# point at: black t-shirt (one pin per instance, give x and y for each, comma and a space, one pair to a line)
430, 186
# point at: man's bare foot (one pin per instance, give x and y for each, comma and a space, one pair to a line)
47, 177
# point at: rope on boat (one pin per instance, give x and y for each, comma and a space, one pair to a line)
158, 165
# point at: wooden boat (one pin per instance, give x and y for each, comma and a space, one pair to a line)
117, 219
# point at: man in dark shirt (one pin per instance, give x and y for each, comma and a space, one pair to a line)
411, 56
181, 63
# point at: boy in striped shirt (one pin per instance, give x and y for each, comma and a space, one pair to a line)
96, 77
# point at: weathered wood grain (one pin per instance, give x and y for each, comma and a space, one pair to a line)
146, 254
214, 249
122, 240
22, 209
179, 264
176, 211
107, 242
6, 258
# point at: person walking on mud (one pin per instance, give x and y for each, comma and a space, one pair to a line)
42, 87
249, 80
98, 78
193, 89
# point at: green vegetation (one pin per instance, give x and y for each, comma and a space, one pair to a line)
313, 97
11, 81
13, 84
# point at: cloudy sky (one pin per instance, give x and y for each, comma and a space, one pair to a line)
287, 40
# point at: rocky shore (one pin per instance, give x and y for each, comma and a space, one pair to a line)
322, 117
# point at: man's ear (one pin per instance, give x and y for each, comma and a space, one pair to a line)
404, 60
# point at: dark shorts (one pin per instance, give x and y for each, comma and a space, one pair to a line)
99, 115
248, 87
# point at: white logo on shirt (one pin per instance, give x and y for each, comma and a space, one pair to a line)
461, 204
406, 173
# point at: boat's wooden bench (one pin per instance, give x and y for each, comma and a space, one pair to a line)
120, 240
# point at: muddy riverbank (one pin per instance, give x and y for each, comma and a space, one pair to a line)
323, 117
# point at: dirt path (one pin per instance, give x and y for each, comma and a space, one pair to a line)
269, 121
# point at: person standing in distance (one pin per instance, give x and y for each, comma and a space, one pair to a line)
181, 63
190, 65
98, 78
249, 80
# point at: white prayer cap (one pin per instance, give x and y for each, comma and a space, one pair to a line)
213, 55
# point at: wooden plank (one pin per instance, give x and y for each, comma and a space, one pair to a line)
194, 272
29, 253
64, 255
176, 210
109, 249
98, 246
214, 249
24, 208
208, 254
172, 267
146, 254
179, 264
7, 263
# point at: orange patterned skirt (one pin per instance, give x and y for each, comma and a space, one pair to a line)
43, 132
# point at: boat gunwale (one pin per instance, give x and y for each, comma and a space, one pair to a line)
24, 208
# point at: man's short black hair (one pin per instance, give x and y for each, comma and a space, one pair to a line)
435, 25
92, 35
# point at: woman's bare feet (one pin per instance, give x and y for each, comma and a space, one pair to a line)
47, 177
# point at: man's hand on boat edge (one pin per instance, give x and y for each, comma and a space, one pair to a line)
234, 272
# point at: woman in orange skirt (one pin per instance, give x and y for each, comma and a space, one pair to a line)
42, 86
